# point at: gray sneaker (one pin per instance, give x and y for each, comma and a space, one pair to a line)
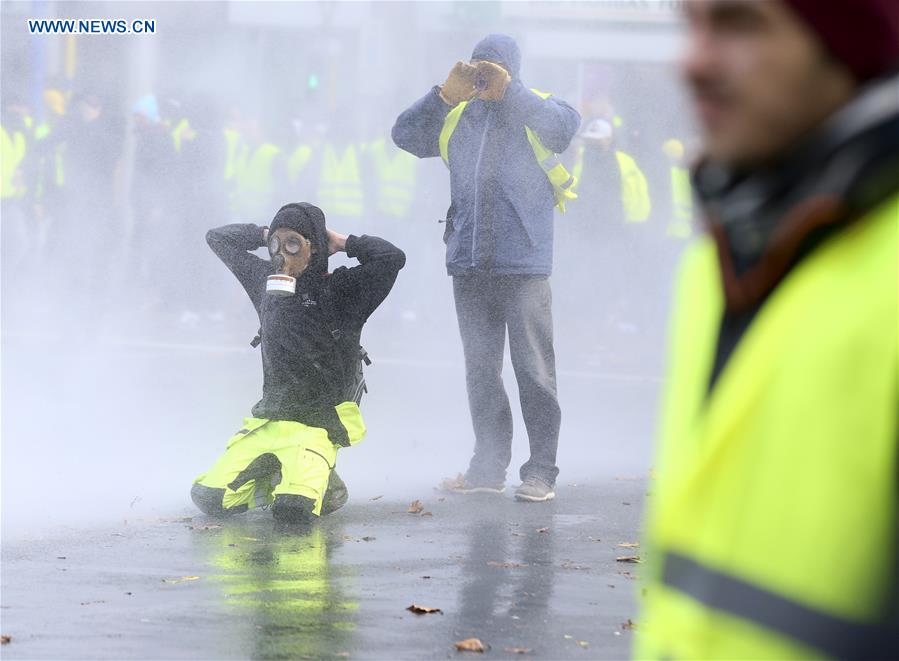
463, 485
534, 490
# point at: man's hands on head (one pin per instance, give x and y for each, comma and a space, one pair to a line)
336, 242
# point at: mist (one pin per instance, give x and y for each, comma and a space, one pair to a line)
125, 343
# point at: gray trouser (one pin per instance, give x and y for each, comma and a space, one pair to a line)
486, 305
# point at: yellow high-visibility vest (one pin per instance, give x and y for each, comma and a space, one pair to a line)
559, 178
396, 178
340, 182
12, 153
635, 200
680, 224
297, 161
255, 184
772, 529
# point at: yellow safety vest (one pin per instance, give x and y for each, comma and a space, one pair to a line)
773, 527
182, 132
297, 162
396, 179
12, 153
680, 224
634, 189
340, 183
255, 184
561, 181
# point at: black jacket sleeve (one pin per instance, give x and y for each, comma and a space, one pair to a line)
232, 244
361, 289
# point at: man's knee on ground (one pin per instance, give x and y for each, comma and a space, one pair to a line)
289, 508
209, 500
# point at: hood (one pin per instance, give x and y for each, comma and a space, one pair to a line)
308, 220
499, 48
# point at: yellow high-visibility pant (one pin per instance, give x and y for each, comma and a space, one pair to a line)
245, 475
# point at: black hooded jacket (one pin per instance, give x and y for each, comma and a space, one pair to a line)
310, 341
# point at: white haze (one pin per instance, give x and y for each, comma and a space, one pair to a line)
113, 401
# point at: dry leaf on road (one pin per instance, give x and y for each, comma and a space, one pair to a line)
518, 650
376, 498
423, 610
628, 558
470, 645
542, 529
5, 639
629, 624
416, 507
181, 580
628, 545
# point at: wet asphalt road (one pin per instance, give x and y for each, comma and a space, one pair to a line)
537, 577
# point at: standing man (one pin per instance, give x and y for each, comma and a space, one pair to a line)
499, 140
773, 530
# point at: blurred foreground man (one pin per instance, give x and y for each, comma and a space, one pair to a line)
774, 527
499, 140
311, 322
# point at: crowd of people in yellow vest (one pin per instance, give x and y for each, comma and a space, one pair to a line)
71, 175
330, 172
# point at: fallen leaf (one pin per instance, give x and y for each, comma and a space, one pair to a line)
517, 534
628, 558
542, 529
427, 514
376, 498
60, 557
452, 483
5, 639
181, 580
568, 636
583, 643
628, 545
426, 577
416, 507
518, 650
624, 503
423, 610
470, 645
369, 539
505, 565
629, 624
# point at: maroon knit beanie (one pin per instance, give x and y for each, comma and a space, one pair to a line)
864, 34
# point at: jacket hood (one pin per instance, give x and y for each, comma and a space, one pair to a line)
308, 220
499, 48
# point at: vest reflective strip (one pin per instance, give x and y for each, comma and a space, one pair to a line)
830, 634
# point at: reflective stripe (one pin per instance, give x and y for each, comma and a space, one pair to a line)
568, 184
832, 635
549, 162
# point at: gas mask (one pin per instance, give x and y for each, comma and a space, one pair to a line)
290, 253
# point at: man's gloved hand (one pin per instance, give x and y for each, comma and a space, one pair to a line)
459, 85
491, 81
